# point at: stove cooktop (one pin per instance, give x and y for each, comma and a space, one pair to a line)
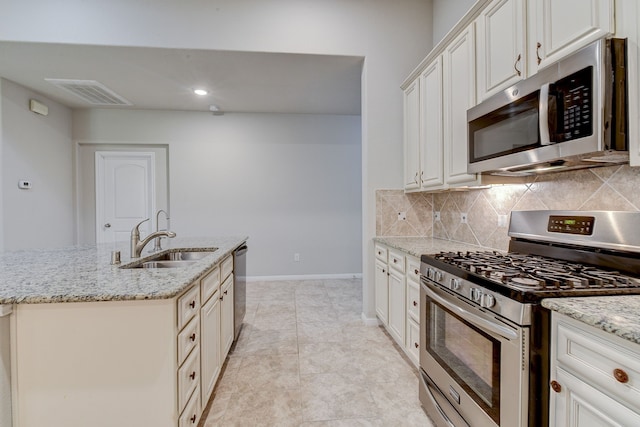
533, 276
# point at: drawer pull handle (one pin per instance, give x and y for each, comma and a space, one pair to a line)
415, 303
416, 344
193, 337
193, 375
192, 304
621, 376
555, 385
193, 419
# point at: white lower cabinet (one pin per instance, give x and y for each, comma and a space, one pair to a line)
398, 298
210, 346
122, 363
226, 316
595, 377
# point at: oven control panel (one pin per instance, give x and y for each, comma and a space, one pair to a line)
571, 224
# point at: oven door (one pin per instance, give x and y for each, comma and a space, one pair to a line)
474, 365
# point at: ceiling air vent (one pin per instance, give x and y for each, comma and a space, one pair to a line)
91, 91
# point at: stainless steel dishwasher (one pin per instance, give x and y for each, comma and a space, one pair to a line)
240, 290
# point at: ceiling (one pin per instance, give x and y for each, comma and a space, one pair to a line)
157, 78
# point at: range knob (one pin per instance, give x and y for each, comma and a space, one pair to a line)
454, 284
487, 301
439, 276
475, 294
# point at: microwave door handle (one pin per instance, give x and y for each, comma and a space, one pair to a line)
543, 115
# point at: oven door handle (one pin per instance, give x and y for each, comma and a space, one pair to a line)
480, 321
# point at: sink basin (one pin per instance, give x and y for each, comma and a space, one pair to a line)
165, 264
175, 259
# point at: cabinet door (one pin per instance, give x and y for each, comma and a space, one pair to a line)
413, 342
397, 311
226, 316
382, 292
501, 52
431, 149
578, 404
564, 26
459, 96
412, 136
210, 346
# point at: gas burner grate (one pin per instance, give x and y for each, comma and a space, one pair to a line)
533, 272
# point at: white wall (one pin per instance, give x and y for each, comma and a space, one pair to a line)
446, 13
289, 181
39, 149
393, 36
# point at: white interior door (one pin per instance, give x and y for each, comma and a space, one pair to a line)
125, 194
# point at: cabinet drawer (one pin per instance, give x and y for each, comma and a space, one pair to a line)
209, 284
381, 253
413, 300
413, 341
191, 415
189, 378
226, 267
396, 261
188, 338
413, 268
609, 363
188, 306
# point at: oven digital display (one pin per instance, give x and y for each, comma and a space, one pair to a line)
571, 224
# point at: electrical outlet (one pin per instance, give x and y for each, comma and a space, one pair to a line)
402, 216
463, 217
296, 257
436, 215
502, 220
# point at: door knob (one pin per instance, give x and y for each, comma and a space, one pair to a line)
107, 225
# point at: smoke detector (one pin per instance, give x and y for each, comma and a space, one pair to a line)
91, 91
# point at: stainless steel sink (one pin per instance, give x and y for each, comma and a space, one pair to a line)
174, 259
166, 264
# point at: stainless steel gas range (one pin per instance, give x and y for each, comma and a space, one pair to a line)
484, 337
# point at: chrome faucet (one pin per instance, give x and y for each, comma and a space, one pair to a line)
157, 245
138, 245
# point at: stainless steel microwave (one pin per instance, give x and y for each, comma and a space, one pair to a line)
570, 115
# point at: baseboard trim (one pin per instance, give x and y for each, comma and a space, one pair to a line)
370, 321
304, 277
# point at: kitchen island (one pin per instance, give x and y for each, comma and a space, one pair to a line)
96, 344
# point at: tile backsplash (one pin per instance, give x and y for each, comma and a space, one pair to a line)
487, 210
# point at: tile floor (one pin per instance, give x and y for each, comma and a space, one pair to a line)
304, 358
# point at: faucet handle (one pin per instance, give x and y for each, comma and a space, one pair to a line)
135, 230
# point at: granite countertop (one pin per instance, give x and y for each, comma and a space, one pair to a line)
618, 315
85, 273
417, 246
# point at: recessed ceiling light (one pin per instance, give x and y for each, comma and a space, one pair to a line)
200, 92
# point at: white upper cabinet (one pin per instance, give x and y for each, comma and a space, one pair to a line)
560, 27
431, 149
459, 95
501, 49
423, 143
412, 168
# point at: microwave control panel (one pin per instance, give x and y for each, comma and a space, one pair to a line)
574, 105
571, 224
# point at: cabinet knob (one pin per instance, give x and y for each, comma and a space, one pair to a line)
416, 344
193, 375
222, 298
415, 303
193, 419
225, 292
555, 385
416, 271
620, 376
193, 337
192, 304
